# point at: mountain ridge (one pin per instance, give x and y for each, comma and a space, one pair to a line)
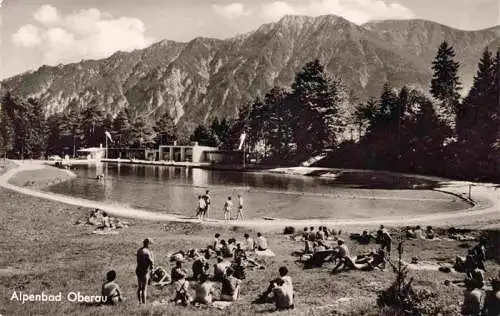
204, 78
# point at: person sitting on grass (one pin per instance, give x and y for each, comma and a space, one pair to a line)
200, 266
419, 234
230, 287
479, 253
305, 233
239, 268
225, 250
473, 299
220, 269
344, 259
261, 242
429, 233
111, 290
178, 273
287, 285
312, 234
308, 247
239, 252
283, 298
217, 242
326, 232
249, 244
320, 234
410, 233
492, 299
204, 291
181, 287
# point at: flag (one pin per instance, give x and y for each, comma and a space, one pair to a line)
108, 135
242, 140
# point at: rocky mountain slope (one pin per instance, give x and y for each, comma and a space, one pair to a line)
208, 78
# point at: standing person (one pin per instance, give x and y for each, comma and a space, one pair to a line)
227, 209
240, 207
385, 239
144, 268
201, 207
206, 197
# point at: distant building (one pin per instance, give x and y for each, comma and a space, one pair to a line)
184, 153
92, 153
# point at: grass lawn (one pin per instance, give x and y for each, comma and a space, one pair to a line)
42, 250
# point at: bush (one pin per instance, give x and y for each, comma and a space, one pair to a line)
289, 230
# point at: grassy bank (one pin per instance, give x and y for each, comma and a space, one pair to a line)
41, 178
43, 251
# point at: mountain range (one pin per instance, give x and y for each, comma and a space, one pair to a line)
204, 78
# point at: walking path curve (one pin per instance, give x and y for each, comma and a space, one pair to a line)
479, 212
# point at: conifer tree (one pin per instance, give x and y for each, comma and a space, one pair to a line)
164, 129
445, 84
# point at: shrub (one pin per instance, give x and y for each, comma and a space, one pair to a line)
289, 230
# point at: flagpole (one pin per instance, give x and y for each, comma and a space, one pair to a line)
243, 156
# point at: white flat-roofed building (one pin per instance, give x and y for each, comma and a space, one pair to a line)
184, 153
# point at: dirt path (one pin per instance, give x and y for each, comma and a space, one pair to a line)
478, 213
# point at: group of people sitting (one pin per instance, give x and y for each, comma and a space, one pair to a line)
477, 301
418, 233
229, 272
103, 221
317, 250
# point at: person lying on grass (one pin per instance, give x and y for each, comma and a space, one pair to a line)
111, 290
230, 287
160, 276
286, 285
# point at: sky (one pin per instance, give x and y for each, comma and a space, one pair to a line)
51, 32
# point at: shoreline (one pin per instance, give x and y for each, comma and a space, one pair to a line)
484, 193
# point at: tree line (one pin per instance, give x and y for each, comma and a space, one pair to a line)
25, 132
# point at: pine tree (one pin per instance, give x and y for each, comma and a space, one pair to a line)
6, 128
36, 136
204, 136
476, 119
315, 101
279, 128
165, 129
91, 125
122, 128
445, 84
141, 134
